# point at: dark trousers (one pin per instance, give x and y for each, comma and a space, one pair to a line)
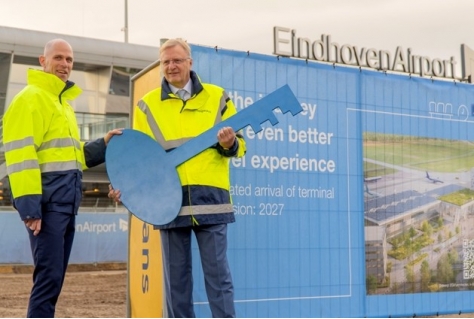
51, 249
177, 263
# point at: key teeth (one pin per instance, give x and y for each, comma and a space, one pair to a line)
294, 111
256, 128
272, 118
291, 105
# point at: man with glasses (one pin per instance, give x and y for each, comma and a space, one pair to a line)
181, 109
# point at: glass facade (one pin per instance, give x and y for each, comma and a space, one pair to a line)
93, 126
5, 61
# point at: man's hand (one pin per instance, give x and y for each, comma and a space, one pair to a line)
111, 133
34, 225
226, 137
114, 194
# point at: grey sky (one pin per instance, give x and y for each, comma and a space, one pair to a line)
434, 28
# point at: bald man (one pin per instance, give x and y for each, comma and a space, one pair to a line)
45, 159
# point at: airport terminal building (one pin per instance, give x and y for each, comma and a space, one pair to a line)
102, 69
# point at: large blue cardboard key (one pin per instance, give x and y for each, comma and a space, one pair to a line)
146, 174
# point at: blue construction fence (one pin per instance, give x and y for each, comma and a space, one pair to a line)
100, 238
359, 206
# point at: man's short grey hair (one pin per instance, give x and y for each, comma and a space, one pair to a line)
174, 42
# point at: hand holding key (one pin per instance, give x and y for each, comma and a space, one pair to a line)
146, 175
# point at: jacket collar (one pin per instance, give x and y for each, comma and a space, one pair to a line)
52, 84
167, 93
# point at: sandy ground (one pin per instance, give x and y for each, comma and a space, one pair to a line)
86, 294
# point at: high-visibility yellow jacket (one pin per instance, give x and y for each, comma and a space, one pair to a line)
43, 152
204, 178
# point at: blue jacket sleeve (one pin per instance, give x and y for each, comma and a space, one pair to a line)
94, 152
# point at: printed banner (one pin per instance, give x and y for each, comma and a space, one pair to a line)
296, 249
418, 194
359, 206
99, 238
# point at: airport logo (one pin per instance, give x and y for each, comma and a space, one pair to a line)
467, 58
98, 228
287, 44
123, 225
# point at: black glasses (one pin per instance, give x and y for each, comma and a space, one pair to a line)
174, 61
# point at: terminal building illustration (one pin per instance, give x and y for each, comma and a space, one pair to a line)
389, 215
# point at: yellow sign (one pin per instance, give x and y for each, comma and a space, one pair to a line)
145, 271
145, 268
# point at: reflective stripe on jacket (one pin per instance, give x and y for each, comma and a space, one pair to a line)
43, 152
204, 178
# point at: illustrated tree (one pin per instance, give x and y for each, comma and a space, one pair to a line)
427, 228
371, 284
410, 278
440, 222
453, 256
445, 273
425, 275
